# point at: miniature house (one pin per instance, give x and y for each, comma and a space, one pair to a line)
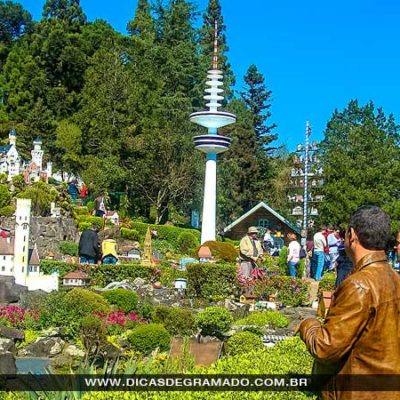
76, 279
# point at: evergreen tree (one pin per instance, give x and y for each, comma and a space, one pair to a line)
68, 11
14, 22
360, 157
241, 168
258, 99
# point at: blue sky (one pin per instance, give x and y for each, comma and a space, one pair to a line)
315, 55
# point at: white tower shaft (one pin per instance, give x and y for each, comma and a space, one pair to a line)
210, 199
21, 241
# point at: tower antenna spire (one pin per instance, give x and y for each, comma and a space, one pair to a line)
215, 54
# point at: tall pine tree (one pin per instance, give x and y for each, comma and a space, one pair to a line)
258, 100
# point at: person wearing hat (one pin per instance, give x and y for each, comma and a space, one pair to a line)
250, 250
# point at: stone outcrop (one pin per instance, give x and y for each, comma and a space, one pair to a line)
47, 232
10, 292
7, 363
43, 347
11, 333
7, 345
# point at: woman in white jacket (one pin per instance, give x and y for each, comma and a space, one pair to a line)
293, 258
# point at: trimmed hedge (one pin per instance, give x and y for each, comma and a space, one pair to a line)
272, 319
130, 234
165, 232
212, 281
187, 242
242, 343
102, 275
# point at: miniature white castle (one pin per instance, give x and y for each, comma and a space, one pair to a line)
34, 169
16, 259
10, 162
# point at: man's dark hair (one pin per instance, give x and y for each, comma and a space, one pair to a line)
372, 226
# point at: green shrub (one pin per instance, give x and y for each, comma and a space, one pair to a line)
165, 232
90, 206
67, 309
93, 334
242, 343
83, 226
145, 309
214, 321
212, 281
273, 319
69, 248
81, 210
147, 338
223, 251
177, 321
301, 268
88, 221
289, 291
327, 283
130, 234
282, 261
187, 242
7, 211
123, 299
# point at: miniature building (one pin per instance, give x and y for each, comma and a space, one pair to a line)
205, 254
147, 251
76, 279
10, 161
261, 216
16, 259
129, 253
33, 169
113, 217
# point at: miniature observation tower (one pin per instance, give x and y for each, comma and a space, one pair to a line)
212, 144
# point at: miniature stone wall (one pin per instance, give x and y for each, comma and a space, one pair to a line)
47, 232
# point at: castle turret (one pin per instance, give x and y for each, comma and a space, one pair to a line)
37, 153
21, 241
12, 137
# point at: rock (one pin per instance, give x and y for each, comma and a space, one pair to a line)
74, 351
54, 332
138, 282
7, 345
43, 347
7, 363
238, 310
64, 363
10, 292
110, 352
11, 333
208, 339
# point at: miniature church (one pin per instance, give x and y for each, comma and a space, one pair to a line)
16, 259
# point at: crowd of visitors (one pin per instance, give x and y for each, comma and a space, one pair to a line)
323, 252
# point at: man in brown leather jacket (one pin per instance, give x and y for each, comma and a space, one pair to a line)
361, 333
